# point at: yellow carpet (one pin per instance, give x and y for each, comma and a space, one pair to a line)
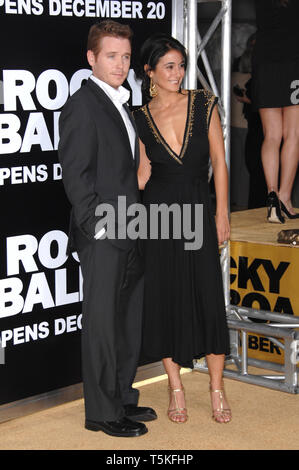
262, 419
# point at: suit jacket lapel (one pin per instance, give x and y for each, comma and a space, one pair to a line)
111, 109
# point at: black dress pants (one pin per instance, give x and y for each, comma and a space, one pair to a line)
111, 328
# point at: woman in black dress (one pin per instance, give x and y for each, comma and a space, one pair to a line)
275, 72
184, 310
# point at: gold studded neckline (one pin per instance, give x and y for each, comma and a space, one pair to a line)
209, 100
188, 128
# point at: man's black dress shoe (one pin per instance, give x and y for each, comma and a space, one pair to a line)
121, 428
140, 413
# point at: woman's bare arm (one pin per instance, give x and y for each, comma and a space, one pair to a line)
217, 154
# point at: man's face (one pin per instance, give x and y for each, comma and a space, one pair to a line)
112, 63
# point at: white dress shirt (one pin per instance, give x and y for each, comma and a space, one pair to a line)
118, 98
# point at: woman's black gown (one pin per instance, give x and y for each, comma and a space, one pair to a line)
184, 309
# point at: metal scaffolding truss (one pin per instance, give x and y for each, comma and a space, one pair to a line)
274, 326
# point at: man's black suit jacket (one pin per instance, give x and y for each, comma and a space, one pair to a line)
97, 162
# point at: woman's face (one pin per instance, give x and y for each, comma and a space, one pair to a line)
169, 71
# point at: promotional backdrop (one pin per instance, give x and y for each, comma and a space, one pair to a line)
43, 60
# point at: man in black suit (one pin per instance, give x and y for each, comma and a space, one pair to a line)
98, 151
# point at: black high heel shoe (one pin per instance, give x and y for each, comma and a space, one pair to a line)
274, 210
287, 213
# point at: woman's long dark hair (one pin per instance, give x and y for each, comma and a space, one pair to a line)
155, 47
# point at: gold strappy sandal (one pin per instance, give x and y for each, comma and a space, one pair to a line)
221, 415
177, 412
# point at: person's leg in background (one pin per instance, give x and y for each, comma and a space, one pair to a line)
289, 156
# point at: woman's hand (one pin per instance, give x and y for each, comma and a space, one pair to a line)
223, 228
243, 99
145, 169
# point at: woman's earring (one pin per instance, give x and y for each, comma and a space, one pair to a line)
152, 89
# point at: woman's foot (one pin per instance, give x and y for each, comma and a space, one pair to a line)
287, 210
273, 209
177, 412
221, 411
